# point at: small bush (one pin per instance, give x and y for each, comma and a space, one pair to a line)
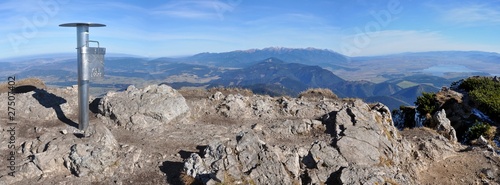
485, 92
481, 128
318, 93
426, 104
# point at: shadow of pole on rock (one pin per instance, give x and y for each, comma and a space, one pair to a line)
49, 100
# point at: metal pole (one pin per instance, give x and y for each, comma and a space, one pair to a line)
82, 33
82, 39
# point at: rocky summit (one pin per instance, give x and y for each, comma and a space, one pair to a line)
159, 135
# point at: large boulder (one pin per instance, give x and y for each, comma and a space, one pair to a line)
443, 125
247, 159
44, 104
144, 109
97, 157
364, 135
56, 153
364, 147
321, 161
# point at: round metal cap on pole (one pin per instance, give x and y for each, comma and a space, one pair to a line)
84, 55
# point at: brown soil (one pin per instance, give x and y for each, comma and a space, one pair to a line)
469, 165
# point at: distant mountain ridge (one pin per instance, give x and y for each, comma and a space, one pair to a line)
245, 58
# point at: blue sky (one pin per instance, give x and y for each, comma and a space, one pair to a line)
159, 28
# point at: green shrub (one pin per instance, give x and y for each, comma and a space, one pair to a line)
426, 103
480, 128
485, 93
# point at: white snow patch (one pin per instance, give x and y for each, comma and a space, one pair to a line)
419, 121
481, 115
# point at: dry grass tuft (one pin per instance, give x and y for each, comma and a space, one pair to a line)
188, 180
4, 87
231, 90
193, 93
318, 93
385, 162
390, 181
490, 133
445, 95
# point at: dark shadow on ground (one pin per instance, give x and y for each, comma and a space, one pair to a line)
185, 154
329, 121
201, 149
94, 105
79, 135
49, 100
174, 169
23, 89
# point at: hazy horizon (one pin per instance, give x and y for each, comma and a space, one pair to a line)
73, 54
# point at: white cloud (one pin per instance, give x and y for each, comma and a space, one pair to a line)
196, 9
473, 14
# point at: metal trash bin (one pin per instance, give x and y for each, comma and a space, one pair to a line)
93, 62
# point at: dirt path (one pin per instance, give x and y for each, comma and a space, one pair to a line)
468, 167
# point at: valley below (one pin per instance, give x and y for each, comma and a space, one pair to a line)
392, 79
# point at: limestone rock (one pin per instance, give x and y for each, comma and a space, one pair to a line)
97, 158
368, 140
194, 166
362, 175
237, 106
217, 96
363, 135
324, 160
324, 155
144, 109
295, 127
482, 141
128, 159
248, 159
443, 125
53, 153
44, 104
365, 146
